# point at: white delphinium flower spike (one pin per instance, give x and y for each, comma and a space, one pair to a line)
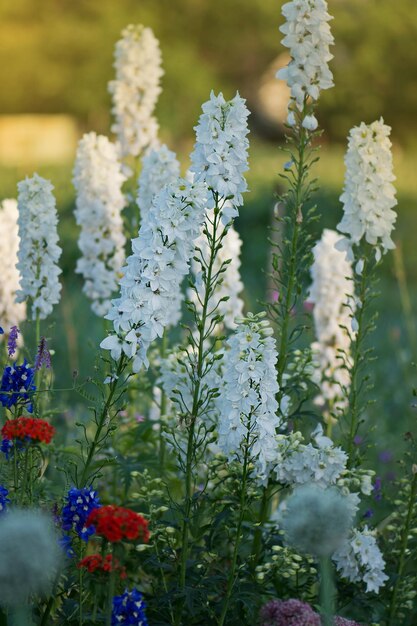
98, 181
151, 283
308, 37
359, 558
369, 195
11, 312
227, 290
220, 155
159, 168
136, 89
319, 462
247, 399
39, 252
332, 293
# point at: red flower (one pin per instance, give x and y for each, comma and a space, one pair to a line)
95, 563
32, 427
115, 523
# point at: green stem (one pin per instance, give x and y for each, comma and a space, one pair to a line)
163, 407
102, 420
112, 585
194, 414
357, 358
327, 592
242, 509
81, 587
297, 217
263, 516
404, 542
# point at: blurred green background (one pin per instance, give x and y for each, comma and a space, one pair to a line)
56, 58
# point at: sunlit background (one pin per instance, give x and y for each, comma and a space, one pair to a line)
56, 61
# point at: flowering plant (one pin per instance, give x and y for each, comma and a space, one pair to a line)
241, 437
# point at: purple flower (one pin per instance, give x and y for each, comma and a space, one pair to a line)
377, 491
43, 356
12, 341
369, 513
357, 440
288, 613
385, 456
295, 613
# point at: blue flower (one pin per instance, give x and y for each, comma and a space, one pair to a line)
17, 386
129, 608
4, 500
66, 544
1, 331
80, 503
8, 446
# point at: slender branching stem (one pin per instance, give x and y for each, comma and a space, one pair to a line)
392, 620
195, 408
102, 420
242, 510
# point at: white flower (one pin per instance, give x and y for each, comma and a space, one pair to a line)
360, 558
136, 89
320, 462
230, 286
308, 37
98, 181
332, 293
11, 312
220, 155
159, 168
369, 195
248, 394
39, 252
310, 122
150, 290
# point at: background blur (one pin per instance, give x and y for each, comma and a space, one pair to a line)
56, 61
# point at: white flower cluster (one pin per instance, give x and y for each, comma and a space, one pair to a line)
332, 293
150, 294
230, 284
369, 195
178, 386
247, 398
11, 312
136, 89
308, 37
159, 168
360, 558
220, 155
98, 181
39, 252
321, 463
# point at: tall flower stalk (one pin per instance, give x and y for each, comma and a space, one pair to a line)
219, 160
248, 416
98, 181
308, 37
367, 224
135, 90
